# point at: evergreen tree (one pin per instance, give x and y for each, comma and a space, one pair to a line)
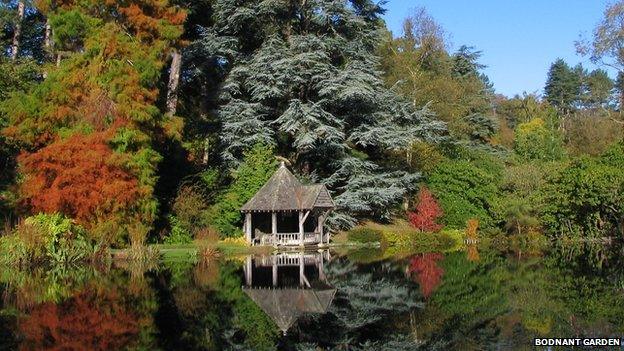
466, 62
599, 89
17, 75
563, 86
303, 76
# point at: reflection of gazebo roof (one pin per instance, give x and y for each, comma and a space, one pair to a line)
286, 305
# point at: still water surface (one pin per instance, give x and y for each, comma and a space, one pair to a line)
311, 301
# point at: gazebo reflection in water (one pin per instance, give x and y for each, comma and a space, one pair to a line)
288, 285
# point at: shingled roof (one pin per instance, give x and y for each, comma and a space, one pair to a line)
284, 192
286, 305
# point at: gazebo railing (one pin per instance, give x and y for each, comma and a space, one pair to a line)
287, 259
282, 238
290, 238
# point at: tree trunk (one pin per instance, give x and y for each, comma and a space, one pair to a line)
206, 156
174, 81
47, 42
48, 36
18, 30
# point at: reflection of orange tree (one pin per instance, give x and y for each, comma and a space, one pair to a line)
471, 234
89, 320
425, 271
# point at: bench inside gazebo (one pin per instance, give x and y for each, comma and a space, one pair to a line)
285, 212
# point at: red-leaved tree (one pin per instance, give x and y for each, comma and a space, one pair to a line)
80, 177
425, 271
427, 212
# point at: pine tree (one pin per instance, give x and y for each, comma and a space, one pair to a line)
563, 86
303, 76
466, 62
598, 89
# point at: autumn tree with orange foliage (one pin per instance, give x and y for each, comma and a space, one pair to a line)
427, 212
80, 177
87, 131
425, 271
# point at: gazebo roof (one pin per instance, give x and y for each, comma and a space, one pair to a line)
284, 192
285, 305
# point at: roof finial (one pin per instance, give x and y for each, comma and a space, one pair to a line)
283, 161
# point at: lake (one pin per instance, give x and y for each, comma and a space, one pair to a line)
474, 300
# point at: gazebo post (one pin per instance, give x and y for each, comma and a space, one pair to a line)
301, 269
301, 228
274, 270
319, 226
321, 268
247, 226
274, 227
248, 270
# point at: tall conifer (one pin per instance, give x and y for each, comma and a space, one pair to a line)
303, 76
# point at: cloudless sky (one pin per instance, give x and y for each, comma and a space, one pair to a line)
519, 38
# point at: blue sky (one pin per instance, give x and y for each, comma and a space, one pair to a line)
519, 39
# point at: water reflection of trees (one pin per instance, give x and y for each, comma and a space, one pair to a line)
369, 309
89, 320
493, 302
202, 307
80, 307
425, 270
501, 302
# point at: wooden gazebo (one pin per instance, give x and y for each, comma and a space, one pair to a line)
286, 212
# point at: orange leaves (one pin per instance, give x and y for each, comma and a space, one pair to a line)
80, 177
425, 271
113, 75
152, 19
145, 19
87, 321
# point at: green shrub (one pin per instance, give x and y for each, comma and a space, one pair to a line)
464, 191
451, 239
585, 198
179, 234
435, 242
50, 238
364, 235
537, 140
190, 210
257, 167
401, 238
